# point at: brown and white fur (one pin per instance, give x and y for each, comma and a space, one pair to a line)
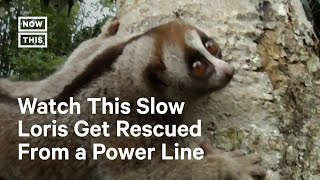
162, 62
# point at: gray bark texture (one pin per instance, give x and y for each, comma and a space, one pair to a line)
272, 106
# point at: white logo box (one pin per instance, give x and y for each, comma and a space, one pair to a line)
32, 46
21, 18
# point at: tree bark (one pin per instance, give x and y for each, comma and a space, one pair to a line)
272, 106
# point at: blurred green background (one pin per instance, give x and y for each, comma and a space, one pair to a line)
69, 23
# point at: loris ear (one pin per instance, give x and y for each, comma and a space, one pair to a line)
156, 77
110, 28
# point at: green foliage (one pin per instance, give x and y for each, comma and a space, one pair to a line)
34, 65
105, 9
88, 32
107, 3
65, 32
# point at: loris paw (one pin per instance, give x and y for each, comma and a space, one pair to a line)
234, 165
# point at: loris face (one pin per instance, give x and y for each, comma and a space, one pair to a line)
191, 61
175, 61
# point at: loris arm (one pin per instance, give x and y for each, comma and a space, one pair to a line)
79, 57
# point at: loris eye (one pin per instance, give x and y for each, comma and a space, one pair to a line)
199, 68
212, 47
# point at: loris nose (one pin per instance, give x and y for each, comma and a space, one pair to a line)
229, 72
224, 69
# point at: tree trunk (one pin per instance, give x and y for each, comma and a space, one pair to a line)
272, 105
